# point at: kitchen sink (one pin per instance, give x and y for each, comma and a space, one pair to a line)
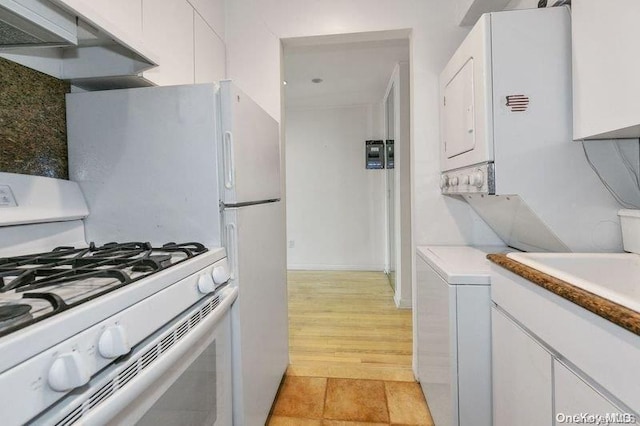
613, 276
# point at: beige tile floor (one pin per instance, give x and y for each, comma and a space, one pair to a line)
350, 352
331, 401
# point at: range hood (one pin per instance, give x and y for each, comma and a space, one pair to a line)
77, 49
35, 23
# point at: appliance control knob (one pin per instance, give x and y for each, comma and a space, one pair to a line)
477, 178
113, 342
206, 284
444, 181
220, 275
68, 371
454, 181
464, 180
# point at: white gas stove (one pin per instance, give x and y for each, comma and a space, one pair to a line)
74, 316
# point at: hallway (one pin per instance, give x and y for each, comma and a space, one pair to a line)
350, 352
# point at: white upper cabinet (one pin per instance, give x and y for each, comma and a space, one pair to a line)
121, 19
123, 14
212, 11
209, 53
606, 83
168, 30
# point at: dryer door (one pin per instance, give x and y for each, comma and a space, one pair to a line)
458, 132
466, 104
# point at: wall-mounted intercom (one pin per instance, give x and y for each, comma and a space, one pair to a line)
374, 154
388, 151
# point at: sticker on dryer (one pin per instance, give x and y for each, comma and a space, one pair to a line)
517, 103
6, 197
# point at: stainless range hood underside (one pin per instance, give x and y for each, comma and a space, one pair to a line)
41, 36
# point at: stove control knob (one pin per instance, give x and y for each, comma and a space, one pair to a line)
206, 284
464, 180
69, 371
113, 342
220, 275
444, 181
454, 181
477, 178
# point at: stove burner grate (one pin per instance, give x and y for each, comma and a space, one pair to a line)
69, 265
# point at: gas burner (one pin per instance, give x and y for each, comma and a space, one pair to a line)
66, 277
13, 313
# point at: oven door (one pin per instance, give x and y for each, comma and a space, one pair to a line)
179, 375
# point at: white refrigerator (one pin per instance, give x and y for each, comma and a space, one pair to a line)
195, 163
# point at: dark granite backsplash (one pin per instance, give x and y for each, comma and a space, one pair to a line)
33, 128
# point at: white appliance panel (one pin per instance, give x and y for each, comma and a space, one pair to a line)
146, 162
536, 189
182, 371
459, 122
257, 255
437, 353
26, 199
466, 104
453, 332
40, 237
250, 149
473, 304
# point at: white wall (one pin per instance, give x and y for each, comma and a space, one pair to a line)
253, 57
335, 207
525, 4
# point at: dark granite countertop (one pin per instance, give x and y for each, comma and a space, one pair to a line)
617, 314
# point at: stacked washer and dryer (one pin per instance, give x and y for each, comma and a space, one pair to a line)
507, 150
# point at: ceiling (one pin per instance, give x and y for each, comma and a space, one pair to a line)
353, 73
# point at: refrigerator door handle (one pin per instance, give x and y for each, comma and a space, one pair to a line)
229, 168
232, 238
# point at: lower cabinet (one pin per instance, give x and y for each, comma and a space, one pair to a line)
532, 386
574, 397
522, 376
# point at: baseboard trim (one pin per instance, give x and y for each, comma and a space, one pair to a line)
313, 267
402, 303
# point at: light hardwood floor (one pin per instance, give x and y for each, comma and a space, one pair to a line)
345, 324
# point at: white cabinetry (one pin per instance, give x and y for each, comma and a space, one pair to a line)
530, 367
209, 53
574, 396
522, 380
212, 11
168, 30
606, 85
118, 17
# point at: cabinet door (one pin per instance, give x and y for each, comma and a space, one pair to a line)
212, 11
120, 18
522, 380
573, 397
123, 14
168, 27
606, 40
209, 53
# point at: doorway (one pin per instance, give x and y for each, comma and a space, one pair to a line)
343, 227
390, 185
